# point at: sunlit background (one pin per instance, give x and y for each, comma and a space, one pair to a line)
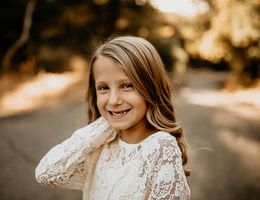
185, 8
211, 50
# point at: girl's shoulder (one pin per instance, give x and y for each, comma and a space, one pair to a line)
162, 137
160, 141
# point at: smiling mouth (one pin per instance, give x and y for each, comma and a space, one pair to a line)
119, 113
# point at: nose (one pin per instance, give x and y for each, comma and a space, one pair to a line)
114, 98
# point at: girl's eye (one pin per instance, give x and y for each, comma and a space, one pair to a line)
102, 88
127, 85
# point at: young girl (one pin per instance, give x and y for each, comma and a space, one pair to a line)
131, 148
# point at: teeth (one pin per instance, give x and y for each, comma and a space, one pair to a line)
119, 113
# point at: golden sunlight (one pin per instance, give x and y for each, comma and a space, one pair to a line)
42, 90
185, 8
245, 103
32, 94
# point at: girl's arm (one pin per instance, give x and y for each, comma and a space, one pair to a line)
65, 164
168, 180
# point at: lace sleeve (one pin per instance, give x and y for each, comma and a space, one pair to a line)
168, 179
65, 164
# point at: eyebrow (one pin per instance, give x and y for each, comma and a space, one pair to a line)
119, 81
124, 80
99, 83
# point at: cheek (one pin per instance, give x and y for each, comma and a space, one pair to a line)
139, 103
143, 108
100, 103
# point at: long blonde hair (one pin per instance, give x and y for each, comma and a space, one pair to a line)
145, 69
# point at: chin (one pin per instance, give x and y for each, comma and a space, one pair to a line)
118, 127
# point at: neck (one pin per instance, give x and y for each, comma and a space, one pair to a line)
136, 134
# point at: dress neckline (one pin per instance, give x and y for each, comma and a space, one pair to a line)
130, 145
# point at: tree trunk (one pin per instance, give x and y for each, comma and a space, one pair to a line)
6, 63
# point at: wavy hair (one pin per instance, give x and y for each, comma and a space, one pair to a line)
145, 69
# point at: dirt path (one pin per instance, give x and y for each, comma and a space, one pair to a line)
230, 128
230, 170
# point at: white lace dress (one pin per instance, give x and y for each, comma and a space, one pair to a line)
95, 160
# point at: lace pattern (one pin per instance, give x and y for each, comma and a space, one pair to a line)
149, 170
65, 165
94, 159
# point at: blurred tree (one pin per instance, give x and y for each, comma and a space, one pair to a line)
63, 28
226, 35
232, 36
6, 63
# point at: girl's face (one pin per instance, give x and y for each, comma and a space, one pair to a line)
117, 100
